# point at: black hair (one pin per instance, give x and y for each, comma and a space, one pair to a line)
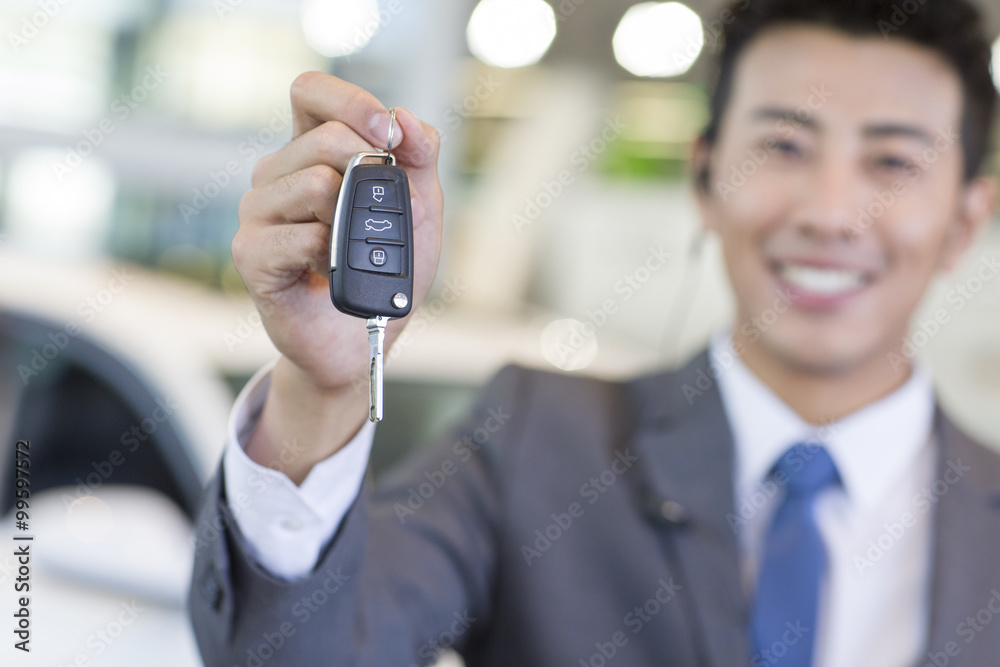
952, 28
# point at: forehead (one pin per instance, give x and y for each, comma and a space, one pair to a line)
863, 79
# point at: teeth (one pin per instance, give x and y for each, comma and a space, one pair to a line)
821, 281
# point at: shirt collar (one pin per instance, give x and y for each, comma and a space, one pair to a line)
871, 446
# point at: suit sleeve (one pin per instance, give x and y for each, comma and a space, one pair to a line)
409, 571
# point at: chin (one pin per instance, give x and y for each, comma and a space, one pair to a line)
826, 349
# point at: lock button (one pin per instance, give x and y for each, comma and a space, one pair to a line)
376, 193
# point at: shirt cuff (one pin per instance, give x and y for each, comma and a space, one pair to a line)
286, 526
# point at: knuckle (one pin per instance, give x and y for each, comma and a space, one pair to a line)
320, 182
260, 170
330, 136
302, 83
319, 242
237, 249
433, 139
245, 210
357, 98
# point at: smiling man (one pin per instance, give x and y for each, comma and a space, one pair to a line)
792, 496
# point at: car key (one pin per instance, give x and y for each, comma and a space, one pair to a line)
371, 252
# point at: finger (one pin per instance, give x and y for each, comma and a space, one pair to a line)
319, 97
333, 143
280, 251
305, 195
418, 153
419, 148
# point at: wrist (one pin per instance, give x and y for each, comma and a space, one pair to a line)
302, 423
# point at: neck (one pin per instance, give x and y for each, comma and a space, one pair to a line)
820, 396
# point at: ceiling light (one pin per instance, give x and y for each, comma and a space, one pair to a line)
511, 33
658, 39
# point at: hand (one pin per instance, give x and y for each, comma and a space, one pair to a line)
281, 251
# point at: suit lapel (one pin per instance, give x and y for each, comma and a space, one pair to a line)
966, 551
686, 453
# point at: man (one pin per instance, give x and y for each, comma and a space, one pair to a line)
791, 496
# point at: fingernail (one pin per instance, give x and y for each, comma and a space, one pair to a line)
379, 126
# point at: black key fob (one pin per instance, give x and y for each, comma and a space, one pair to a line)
371, 240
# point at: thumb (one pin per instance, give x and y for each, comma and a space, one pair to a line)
420, 143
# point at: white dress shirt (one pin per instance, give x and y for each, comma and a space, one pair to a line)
874, 606
286, 526
875, 602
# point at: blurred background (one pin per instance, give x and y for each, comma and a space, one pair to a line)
128, 132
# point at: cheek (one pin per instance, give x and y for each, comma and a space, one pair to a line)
752, 208
916, 236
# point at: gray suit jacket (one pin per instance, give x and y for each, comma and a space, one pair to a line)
568, 521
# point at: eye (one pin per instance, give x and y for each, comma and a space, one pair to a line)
786, 147
893, 163
783, 147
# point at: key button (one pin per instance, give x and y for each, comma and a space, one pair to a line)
374, 257
366, 224
379, 193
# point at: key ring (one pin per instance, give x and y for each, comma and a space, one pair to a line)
388, 148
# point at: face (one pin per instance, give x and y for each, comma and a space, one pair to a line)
836, 190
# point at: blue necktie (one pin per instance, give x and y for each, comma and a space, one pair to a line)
783, 625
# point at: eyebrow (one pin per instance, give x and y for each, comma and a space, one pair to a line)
890, 130
887, 130
781, 113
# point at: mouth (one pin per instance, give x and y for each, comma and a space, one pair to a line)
821, 287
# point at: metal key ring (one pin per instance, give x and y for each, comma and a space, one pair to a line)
392, 121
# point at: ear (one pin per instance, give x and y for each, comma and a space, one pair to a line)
977, 203
701, 165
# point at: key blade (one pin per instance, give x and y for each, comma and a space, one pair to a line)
376, 343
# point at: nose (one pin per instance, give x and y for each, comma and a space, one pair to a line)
827, 200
